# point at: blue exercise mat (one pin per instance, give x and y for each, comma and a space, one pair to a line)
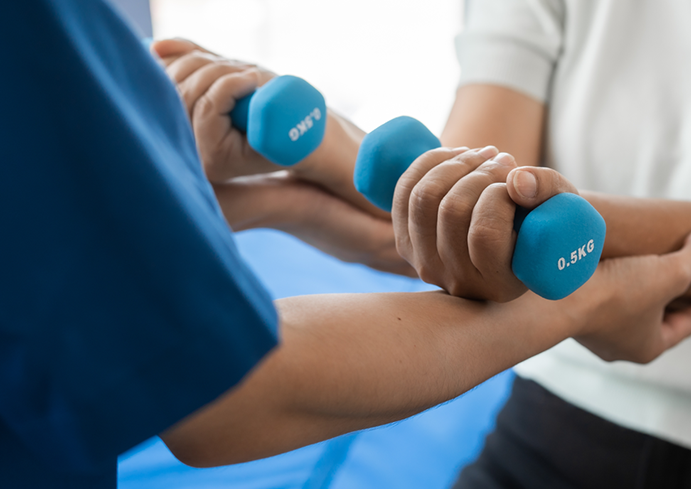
424, 451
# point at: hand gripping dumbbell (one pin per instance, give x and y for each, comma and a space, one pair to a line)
284, 120
559, 243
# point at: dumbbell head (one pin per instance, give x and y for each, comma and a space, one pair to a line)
386, 153
559, 245
285, 119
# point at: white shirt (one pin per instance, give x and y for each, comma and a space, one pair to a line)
616, 78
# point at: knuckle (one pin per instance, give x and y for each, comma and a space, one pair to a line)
487, 231
457, 286
425, 197
403, 246
187, 100
202, 107
497, 189
493, 172
471, 157
457, 290
454, 207
427, 274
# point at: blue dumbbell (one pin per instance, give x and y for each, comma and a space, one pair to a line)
284, 120
559, 243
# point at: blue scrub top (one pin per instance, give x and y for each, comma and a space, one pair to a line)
124, 305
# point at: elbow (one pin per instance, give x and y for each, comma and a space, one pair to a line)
190, 452
204, 452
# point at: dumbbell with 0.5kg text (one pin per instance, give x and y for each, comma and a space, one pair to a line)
284, 120
559, 243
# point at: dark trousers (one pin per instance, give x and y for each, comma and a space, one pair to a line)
542, 441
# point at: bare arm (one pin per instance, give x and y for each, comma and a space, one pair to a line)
350, 362
485, 115
513, 122
281, 201
354, 361
638, 226
209, 86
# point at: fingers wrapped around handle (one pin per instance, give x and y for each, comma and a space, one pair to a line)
454, 222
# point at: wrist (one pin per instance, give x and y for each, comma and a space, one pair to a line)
567, 317
260, 201
582, 309
332, 164
331, 161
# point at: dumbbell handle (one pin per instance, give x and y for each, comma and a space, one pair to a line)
240, 113
284, 119
558, 244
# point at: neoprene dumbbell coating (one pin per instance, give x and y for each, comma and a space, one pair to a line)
284, 120
559, 243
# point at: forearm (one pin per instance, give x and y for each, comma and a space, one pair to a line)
638, 226
275, 201
490, 114
349, 362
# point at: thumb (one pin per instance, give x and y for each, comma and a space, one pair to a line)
675, 269
530, 186
676, 327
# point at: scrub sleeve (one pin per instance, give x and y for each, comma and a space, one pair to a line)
124, 305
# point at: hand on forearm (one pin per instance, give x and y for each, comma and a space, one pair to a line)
349, 362
454, 212
283, 202
637, 226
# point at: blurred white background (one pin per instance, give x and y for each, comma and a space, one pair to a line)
372, 59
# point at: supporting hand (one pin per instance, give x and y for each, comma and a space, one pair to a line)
314, 216
629, 320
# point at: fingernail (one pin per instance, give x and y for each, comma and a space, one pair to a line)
525, 183
505, 159
488, 152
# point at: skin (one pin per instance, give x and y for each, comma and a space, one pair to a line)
481, 115
349, 362
515, 123
488, 114
353, 361
317, 189
209, 86
315, 216
453, 221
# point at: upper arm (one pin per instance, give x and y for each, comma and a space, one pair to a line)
494, 115
507, 52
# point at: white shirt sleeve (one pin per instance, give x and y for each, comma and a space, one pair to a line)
513, 43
